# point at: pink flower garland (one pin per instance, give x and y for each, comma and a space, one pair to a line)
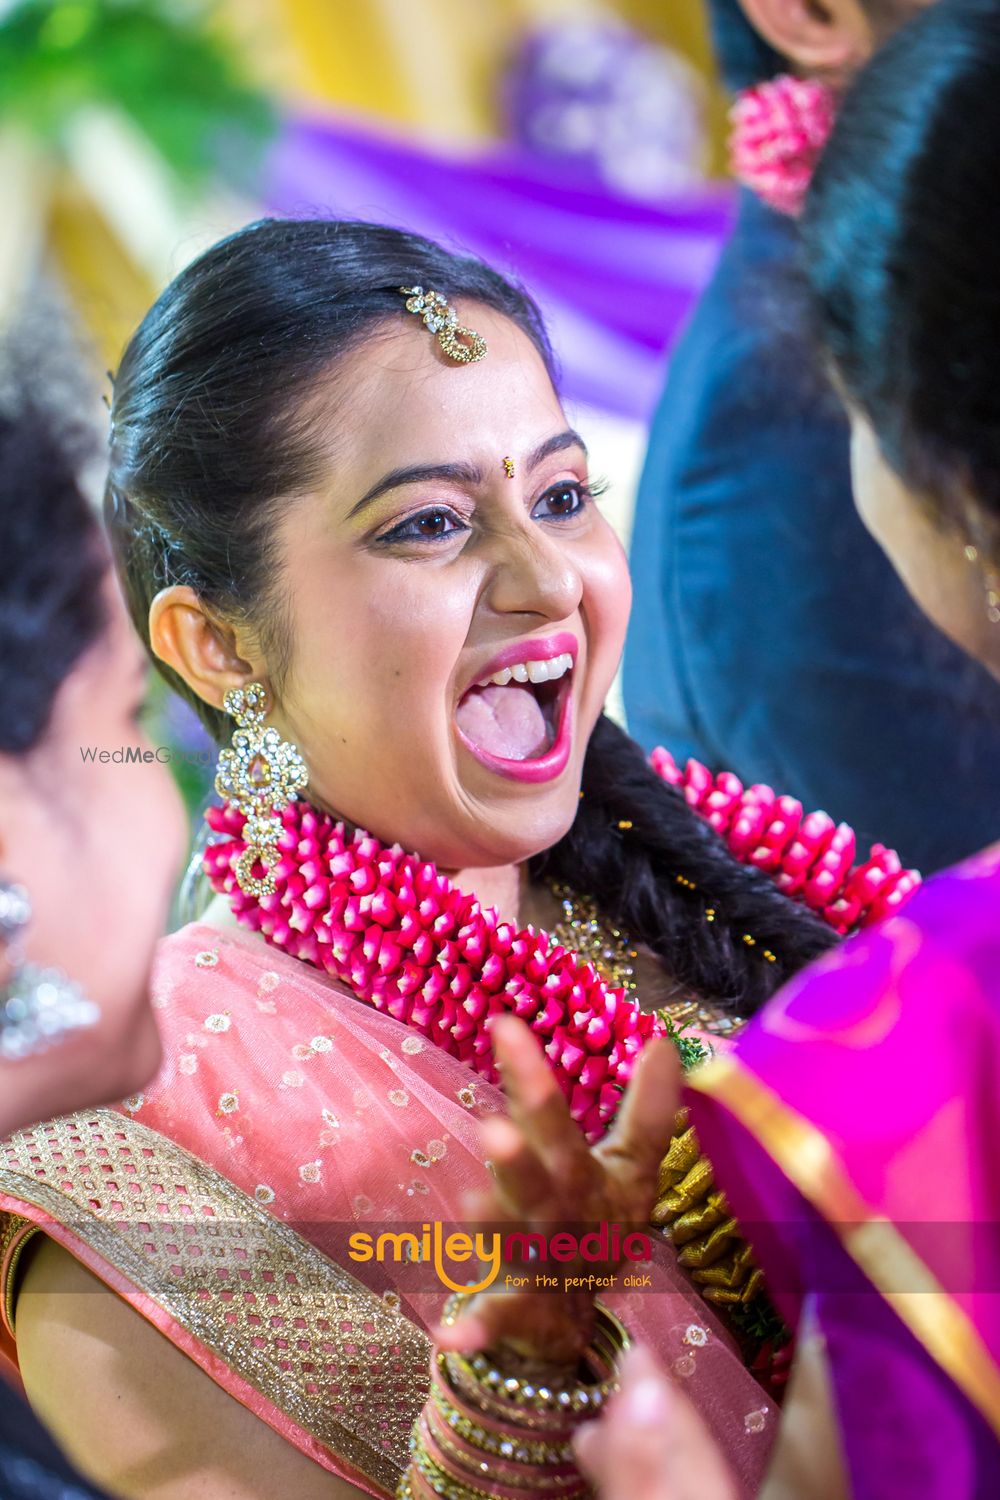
405, 940
810, 856
779, 132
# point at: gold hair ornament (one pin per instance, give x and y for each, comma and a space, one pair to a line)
260, 774
459, 343
508, 465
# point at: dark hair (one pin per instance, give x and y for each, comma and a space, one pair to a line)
53, 563
209, 441
900, 236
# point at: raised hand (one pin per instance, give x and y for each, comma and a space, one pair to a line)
546, 1175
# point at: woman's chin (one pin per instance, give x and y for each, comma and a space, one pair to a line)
510, 834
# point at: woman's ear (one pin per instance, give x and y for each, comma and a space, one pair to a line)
826, 38
201, 649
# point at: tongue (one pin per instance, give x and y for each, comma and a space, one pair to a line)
504, 721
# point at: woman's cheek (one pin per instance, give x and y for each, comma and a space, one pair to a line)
608, 597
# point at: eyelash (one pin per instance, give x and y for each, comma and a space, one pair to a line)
587, 494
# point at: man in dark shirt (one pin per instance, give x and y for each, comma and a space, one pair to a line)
770, 635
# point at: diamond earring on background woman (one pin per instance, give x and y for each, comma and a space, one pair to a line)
76, 929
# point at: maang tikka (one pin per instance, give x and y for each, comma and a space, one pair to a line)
38, 1007
464, 345
260, 774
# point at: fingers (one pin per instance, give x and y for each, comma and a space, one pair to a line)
645, 1119
523, 1185
465, 1336
536, 1101
651, 1444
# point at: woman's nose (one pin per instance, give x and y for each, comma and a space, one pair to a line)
534, 575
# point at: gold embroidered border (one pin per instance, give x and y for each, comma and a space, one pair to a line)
807, 1159
15, 1237
298, 1328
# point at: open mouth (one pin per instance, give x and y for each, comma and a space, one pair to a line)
517, 720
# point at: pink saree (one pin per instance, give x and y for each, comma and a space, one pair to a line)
854, 1129
286, 1118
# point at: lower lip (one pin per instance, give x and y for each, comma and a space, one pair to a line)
546, 767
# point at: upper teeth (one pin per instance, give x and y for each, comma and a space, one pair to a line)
532, 671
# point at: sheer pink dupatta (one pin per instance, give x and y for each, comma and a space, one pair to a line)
334, 1120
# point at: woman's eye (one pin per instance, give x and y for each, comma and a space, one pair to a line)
561, 502
429, 525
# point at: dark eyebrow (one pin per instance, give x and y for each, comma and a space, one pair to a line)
464, 474
557, 444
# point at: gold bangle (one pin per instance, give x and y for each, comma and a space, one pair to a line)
526, 1450
507, 1475
525, 1401
442, 1483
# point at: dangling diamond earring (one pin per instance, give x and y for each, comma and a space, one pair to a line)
259, 775
38, 1007
991, 583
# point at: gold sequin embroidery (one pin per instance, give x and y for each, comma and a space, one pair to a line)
358, 1377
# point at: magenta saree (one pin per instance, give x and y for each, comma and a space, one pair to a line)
855, 1130
288, 1117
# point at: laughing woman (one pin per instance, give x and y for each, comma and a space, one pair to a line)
355, 528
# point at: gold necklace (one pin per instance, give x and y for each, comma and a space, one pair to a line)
583, 930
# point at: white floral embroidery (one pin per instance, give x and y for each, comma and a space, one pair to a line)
134, 1103
263, 1193
399, 1097
436, 1149
267, 982
302, 1051
321, 1043
330, 1118
413, 1045
207, 960
310, 1171
187, 1063
220, 1021
293, 1079
229, 1103
696, 1336
755, 1421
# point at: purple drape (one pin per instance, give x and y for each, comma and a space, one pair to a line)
615, 277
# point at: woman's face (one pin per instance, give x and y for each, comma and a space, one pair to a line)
97, 844
931, 561
422, 576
